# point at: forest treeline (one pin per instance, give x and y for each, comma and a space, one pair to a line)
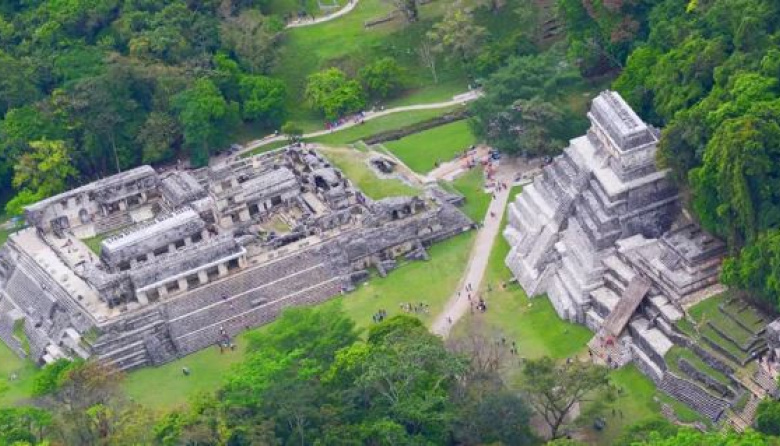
313, 378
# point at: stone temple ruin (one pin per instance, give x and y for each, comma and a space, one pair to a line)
601, 232
190, 257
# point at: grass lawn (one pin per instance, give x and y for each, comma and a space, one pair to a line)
392, 121
431, 282
14, 391
93, 243
348, 44
353, 164
471, 186
165, 387
421, 151
634, 402
265, 148
676, 352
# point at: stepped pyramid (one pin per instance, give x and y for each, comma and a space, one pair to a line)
603, 188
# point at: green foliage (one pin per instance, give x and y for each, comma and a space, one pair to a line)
517, 113
645, 430
332, 93
205, 115
262, 99
690, 437
457, 36
43, 171
23, 425
757, 268
768, 417
554, 389
52, 377
382, 78
711, 78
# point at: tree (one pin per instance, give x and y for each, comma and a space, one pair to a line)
690, 437
642, 431
428, 57
331, 92
292, 131
24, 425
42, 172
205, 117
516, 113
159, 137
253, 38
554, 389
768, 417
381, 77
735, 193
262, 99
457, 36
408, 8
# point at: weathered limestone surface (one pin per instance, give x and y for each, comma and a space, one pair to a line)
600, 232
195, 257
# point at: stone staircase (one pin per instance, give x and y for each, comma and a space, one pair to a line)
113, 222
637, 288
694, 396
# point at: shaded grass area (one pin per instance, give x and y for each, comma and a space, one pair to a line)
707, 312
392, 121
634, 402
15, 391
676, 353
266, 148
93, 243
165, 387
421, 151
353, 164
471, 186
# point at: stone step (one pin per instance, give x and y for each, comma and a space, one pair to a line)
604, 300
694, 396
537, 201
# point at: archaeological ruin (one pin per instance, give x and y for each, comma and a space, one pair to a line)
601, 232
189, 258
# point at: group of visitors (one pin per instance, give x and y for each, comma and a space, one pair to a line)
357, 118
512, 347
379, 316
224, 340
408, 307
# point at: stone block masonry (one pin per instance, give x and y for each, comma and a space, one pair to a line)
197, 259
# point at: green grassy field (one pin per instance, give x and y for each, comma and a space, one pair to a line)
471, 186
432, 282
390, 122
348, 44
421, 151
17, 390
166, 387
353, 164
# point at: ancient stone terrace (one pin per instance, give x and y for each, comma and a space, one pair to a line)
601, 233
188, 256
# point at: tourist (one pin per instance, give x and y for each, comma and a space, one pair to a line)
185, 371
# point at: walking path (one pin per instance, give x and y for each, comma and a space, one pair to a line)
459, 304
326, 18
456, 100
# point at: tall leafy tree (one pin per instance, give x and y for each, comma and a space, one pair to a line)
205, 117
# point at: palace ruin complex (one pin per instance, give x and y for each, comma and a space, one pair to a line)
602, 233
191, 257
